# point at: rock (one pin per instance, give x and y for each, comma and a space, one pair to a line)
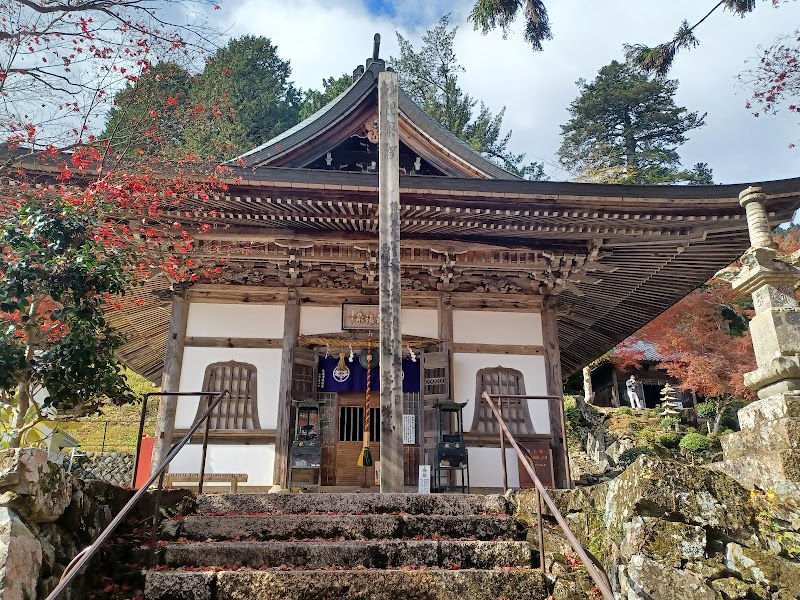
731, 588
760, 567
32, 486
665, 541
693, 495
20, 558
645, 579
615, 449
575, 586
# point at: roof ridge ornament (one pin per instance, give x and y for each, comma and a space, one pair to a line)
376, 50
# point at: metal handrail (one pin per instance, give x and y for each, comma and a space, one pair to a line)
80, 560
596, 572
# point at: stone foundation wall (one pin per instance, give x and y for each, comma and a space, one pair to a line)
670, 531
47, 516
112, 467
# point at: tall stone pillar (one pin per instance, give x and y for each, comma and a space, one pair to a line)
767, 449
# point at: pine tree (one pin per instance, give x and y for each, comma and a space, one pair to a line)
626, 128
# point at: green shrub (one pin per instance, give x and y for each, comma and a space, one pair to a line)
631, 454
572, 413
707, 410
670, 422
648, 436
695, 443
625, 410
670, 439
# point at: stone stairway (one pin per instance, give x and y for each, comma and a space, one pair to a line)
341, 546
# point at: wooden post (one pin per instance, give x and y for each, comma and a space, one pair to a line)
391, 363
445, 310
552, 361
614, 388
171, 379
283, 435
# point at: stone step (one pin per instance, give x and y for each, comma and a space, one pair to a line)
527, 584
367, 503
350, 527
375, 554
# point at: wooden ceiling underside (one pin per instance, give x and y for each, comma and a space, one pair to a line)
610, 260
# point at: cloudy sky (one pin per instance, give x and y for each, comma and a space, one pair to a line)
329, 37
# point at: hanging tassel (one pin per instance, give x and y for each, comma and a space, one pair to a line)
365, 458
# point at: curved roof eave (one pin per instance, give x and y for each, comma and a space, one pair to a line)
328, 116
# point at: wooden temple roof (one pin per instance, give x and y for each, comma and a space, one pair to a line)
611, 257
301, 212
354, 114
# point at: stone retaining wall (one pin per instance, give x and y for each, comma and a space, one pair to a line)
112, 467
47, 516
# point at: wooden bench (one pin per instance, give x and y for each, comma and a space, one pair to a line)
232, 478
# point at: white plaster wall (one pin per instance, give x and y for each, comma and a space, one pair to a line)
486, 467
267, 362
256, 461
486, 327
465, 371
423, 322
320, 319
235, 320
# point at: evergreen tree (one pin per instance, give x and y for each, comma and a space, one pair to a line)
313, 100
625, 128
248, 83
146, 115
430, 78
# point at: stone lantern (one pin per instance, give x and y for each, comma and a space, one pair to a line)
766, 451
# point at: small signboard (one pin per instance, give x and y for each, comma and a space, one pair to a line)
409, 429
377, 464
542, 463
361, 316
424, 485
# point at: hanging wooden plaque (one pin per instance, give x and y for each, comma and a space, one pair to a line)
361, 316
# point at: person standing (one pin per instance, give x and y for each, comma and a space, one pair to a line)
633, 395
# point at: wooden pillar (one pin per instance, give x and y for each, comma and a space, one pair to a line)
283, 436
614, 388
552, 361
171, 378
391, 363
445, 309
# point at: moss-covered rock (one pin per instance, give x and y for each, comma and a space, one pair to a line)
760, 567
666, 541
33, 487
20, 558
646, 578
731, 588
678, 492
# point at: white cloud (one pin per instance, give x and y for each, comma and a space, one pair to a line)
329, 38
